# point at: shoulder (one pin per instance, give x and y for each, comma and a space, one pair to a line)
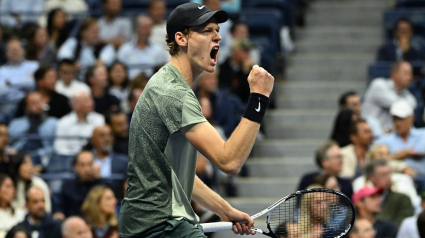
119, 156
348, 149
58, 96
398, 196
17, 122
310, 175
67, 118
126, 47
39, 182
94, 117
379, 83
30, 64
71, 42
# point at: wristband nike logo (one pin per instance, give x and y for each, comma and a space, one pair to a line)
259, 105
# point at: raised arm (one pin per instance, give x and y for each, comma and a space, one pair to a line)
229, 156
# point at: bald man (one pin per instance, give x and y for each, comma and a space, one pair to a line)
75, 227
37, 222
79, 125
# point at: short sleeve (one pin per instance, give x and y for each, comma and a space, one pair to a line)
191, 112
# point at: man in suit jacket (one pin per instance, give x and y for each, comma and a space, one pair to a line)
395, 206
329, 159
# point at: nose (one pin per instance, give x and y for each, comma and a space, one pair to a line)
216, 37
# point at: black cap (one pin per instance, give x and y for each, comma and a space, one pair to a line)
191, 14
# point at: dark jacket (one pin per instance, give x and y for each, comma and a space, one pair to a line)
344, 184
121, 145
235, 80
58, 106
384, 229
48, 228
73, 194
106, 103
395, 207
387, 52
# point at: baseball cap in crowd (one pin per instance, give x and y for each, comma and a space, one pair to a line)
366, 192
401, 109
191, 14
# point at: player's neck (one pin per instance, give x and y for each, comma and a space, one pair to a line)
186, 69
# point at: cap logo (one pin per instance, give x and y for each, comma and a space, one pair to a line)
200, 8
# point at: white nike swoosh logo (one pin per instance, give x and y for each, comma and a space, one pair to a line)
259, 106
200, 8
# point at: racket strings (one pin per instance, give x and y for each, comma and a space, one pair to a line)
312, 215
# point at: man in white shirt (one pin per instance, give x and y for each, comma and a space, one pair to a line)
114, 29
382, 93
157, 10
142, 56
78, 124
87, 50
67, 84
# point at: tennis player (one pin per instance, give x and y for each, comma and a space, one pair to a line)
167, 129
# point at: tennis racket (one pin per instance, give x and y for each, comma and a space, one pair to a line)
313, 213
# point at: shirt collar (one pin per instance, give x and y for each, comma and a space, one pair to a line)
177, 73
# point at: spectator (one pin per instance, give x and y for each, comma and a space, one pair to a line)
404, 46
235, 70
141, 55
118, 122
5, 151
73, 7
137, 85
362, 228
342, 125
18, 232
74, 191
133, 97
327, 181
157, 10
67, 84
405, 142
75, 227
2, 48
99, 209
57, 105
226, 108
240, 30
78, 124
33, 133
97, 79
329, 160
24, 172
409, 228
382, 93
37, 222
9, 214
397, 166
109, 162
18, 72
400, 183
114, 29
395, 206
367, 202
57, 27
118, 81
355, 153
18, 15
351, 100
39, 48
86, 49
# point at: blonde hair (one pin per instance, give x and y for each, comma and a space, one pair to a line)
91, 207
305, 220
372, 153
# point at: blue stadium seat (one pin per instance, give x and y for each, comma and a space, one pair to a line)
60, 163
264, 44
264, 23
285, 6
416, 16
410, 3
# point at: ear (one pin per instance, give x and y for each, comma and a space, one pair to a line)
181, 39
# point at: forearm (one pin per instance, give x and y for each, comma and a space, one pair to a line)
209, 199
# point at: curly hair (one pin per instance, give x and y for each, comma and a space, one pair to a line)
174, 48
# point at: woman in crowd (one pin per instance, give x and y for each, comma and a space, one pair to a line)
118, 81
39, 48
314, 213
327, 181
25, 171
9, 215
99, 209
18, 232
341, 129
56, 28
397, 166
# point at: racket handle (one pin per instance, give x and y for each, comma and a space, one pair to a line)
216, 226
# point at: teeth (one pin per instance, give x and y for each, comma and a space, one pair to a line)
215, 47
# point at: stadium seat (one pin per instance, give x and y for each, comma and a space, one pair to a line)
416, 16
410, 3
285, 6
259, 23
264, 44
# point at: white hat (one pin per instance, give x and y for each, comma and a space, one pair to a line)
401, 109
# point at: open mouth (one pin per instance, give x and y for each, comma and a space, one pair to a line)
214, 53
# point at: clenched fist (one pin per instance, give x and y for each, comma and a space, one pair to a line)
260, 81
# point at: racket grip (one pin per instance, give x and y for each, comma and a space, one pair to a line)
216, 226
